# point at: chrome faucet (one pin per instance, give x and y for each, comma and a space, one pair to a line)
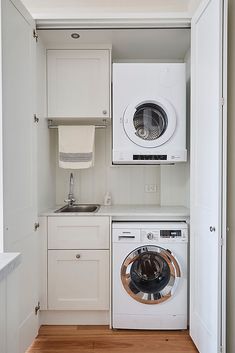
71, 199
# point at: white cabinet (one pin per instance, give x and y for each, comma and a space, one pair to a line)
78, 279
78, 83
78, 263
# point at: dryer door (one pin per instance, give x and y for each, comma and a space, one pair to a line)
150, 274
149, 122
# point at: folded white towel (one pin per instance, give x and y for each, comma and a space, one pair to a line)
76, 146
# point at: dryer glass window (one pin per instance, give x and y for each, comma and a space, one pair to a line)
150, 121
149, 274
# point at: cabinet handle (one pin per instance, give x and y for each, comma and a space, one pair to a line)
104, 112
78, 256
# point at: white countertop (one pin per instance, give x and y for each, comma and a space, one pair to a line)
8, 261
130, 212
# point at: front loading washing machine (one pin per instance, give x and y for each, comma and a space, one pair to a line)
149, 278
149, 113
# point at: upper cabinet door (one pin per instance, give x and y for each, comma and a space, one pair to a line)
78, 83
208, 176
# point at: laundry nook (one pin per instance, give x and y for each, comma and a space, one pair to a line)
114, 164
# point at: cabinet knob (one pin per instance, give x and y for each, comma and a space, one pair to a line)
78, 256
104, 112
212, 229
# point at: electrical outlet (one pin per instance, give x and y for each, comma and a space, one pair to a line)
150, 188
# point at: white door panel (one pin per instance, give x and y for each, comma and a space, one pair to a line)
206, 177
19, 132
19, 159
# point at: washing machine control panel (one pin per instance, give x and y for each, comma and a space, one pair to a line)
164, 235
170, 233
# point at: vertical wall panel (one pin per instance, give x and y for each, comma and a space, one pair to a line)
231, 178
126, 183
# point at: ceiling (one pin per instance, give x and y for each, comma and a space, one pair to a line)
71, 9
139, 44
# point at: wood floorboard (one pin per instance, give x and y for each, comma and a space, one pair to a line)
100, 339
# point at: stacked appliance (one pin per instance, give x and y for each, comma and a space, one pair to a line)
149, 113
149, 275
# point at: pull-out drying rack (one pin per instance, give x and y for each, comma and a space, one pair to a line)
98, 123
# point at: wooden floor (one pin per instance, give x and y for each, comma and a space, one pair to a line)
100, 339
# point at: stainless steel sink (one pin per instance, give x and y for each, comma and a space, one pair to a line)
78, 208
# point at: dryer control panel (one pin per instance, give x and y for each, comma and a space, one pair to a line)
149, 157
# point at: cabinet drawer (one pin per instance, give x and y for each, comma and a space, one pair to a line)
78, 233
78, 279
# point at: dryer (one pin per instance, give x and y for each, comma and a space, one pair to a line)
149, 113
149, 288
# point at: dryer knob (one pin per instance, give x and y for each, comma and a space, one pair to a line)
150, 236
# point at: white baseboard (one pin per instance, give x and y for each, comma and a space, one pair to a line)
63, 317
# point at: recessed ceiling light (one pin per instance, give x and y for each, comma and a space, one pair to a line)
75, 35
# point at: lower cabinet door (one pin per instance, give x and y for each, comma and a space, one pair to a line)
78, 279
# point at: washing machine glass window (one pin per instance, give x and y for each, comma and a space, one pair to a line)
150, 274
150, 123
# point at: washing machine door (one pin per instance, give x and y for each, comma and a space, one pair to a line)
149, 122
150, 274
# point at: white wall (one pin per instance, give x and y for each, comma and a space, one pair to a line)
46, 146
97, 8
1, 161
175, 179
126, 183
175, 185
192, 6
231, 183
